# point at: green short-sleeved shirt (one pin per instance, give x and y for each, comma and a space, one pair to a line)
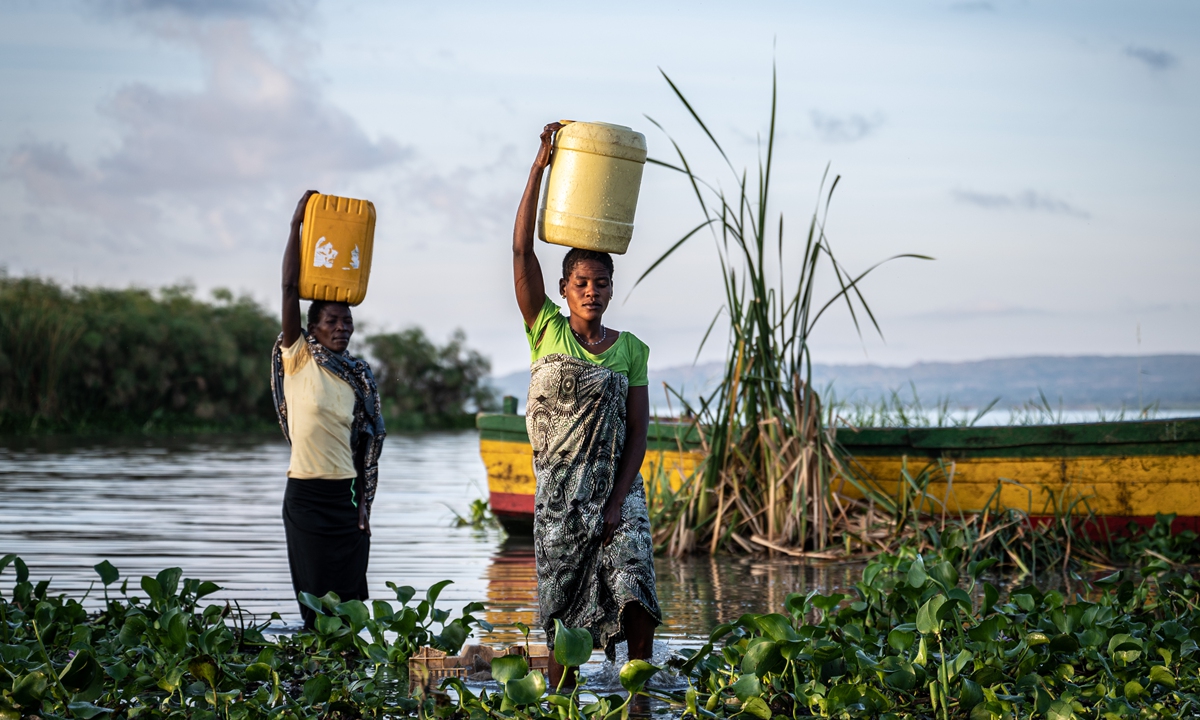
628, 355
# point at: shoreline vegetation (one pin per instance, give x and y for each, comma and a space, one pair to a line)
921, 635
102, 361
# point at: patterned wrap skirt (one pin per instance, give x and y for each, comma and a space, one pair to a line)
576, 422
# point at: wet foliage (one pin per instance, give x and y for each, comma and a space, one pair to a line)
917, 640
921, 635
163, 653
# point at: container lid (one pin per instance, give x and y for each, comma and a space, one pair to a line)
603, 139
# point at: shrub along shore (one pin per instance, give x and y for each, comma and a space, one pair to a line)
920, 636
105, 361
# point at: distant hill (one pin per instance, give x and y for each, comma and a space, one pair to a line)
1084, 382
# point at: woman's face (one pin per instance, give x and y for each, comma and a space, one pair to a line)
335, 327
588, 290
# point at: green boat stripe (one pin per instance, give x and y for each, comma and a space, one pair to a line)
1120, 439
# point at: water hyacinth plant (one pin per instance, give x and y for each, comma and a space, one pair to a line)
770, 462
160, 653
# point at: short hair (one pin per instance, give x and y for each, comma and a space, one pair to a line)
578, 255
318, 307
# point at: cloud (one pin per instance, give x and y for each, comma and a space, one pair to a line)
973, 7
254, 132
1154, 59
204, 9
1027, 200
849, 128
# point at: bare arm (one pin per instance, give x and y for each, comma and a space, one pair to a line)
527, 272
291, 275
637, 419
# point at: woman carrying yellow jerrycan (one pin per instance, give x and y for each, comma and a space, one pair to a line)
587, 415
329, 409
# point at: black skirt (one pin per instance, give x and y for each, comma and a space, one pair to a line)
326, 550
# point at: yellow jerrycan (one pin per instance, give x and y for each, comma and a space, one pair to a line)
592, 190
335, 248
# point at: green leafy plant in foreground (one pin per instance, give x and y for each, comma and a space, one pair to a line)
162, 655
914, 641
920, 636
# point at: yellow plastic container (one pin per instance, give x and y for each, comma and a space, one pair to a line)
591, 193
335, 249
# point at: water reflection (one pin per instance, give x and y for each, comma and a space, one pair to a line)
211, 505
696, 593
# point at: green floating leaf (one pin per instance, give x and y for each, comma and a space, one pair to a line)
310, 601
945, 574
1134, 690
509, 667
80, 672
258, 672
757, 707
28, 689
635, 673
990, 710
355, 611
152, 588
526, 690
746, 687
899, 640
328, 625
927, 615
204, 668
916, 573
572, 646
168, 581
317, 690
761, 658
777, 627
132, 629
1060, 710
1162, 676
86, 710
431, 595
108, 572
1123, 641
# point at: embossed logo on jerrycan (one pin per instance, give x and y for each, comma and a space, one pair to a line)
335, 249
591, 193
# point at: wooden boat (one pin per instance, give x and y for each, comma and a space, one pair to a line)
1120, 472
672, 453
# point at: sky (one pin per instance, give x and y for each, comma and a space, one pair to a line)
1045, 154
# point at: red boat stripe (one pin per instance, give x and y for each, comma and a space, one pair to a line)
512, 504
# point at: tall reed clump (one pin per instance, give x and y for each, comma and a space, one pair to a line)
770, 460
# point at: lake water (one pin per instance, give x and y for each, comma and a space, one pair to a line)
211, 505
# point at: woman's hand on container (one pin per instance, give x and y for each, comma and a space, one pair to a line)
291, 275
298, 216
543, 156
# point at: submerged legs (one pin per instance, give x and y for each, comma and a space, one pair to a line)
639, 633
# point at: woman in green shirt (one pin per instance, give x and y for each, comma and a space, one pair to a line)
587, 416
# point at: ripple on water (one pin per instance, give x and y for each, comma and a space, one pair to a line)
211, 505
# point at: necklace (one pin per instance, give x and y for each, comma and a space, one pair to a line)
603, 336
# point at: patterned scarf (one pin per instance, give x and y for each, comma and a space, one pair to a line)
366, 430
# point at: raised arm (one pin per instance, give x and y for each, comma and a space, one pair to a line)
291, 275
527, 272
